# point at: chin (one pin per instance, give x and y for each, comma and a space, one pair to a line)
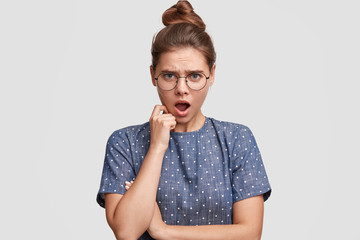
181, 119
184, 119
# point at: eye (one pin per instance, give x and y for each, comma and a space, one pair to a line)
168, 76
195, 76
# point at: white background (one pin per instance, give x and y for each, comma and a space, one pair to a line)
72, 72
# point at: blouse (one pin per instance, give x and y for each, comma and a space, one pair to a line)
203, 172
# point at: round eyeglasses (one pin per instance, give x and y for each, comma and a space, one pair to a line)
168, 81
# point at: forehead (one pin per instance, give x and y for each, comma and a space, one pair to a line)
182, 59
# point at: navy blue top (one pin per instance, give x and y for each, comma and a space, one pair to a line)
203, 172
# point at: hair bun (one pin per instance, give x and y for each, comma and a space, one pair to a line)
182, 12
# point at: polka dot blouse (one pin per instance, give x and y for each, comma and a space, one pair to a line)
203, 172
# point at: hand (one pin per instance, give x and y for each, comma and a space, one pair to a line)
157, 225
160, 126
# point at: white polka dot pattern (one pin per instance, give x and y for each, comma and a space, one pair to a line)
203, 172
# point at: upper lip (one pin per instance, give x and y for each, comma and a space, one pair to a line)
182, 101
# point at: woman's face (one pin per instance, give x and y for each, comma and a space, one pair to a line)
183, 102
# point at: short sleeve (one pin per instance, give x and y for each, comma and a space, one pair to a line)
249, 177
117, 166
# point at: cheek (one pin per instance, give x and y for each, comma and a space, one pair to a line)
201, 97
164, 98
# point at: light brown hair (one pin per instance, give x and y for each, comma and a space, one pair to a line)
183, 28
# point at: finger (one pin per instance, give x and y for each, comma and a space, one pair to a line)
158, 109
165, 109
168, 117
172, 126
167, 122
165, 117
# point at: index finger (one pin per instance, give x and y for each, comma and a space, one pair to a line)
158, 109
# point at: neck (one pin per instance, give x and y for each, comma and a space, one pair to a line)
192, 125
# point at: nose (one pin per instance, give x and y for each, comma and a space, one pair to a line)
181, 87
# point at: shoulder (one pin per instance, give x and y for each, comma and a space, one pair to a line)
230, 128
129, 132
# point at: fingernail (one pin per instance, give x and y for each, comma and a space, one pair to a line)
126, 182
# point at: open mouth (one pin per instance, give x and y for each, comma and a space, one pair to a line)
182, 106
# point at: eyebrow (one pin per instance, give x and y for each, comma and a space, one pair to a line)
186, 71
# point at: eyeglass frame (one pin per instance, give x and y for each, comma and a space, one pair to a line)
186, 81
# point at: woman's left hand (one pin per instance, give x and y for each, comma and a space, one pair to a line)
157, 226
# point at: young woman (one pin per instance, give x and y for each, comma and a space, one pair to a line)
183, 175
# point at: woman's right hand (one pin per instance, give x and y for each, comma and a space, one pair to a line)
160, 127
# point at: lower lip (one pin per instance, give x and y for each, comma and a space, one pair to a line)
182, 113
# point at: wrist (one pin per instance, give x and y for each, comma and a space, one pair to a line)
157, 149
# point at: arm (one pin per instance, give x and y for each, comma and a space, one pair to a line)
129, 215
247, 224
123, 211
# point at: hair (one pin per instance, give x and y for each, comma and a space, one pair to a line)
183, 28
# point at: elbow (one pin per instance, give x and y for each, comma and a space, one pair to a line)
128, 232
124, 230
258, 237
252, 237
249, 232
255, 236
123, 234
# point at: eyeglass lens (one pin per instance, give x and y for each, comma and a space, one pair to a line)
195, 81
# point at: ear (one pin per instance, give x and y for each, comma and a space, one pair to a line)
212, 75
152, 73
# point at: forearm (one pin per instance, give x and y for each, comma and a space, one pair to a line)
211, 232
134, 212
